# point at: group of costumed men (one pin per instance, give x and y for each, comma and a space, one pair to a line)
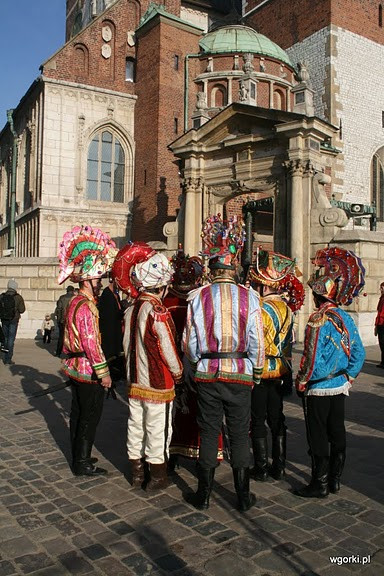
221, 349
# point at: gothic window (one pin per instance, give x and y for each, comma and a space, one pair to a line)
130, 69
377, 183
105, 168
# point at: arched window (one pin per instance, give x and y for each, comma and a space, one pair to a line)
105, 168
278, 100
218, 97
81, 60
130, 69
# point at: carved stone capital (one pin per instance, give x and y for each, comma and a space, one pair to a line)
294, 167
193, 185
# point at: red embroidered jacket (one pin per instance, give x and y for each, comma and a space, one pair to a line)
153, 364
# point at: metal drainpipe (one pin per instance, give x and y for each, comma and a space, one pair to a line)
186, 88
11, 236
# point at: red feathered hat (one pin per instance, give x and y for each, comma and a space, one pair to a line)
130, 255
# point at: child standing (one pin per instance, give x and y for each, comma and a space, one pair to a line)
47, 327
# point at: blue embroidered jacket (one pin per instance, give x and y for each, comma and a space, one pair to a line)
333, 353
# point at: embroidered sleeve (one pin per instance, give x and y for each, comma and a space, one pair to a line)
189, 342
165, 330
312, 332
89, 333
256, 350
357, 355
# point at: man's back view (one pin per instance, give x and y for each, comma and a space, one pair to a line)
224, 339
12, 306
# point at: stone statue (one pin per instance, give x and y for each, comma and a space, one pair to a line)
303, 72
243, 92
201, 101
248, 63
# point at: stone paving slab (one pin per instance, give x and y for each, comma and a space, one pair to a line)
54, 524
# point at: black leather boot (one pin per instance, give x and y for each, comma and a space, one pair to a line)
336, 466
245, 499
279, 448
82, 465
200, 499
318, 486
260, 455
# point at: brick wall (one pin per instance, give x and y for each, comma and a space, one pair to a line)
159, 119
299, 19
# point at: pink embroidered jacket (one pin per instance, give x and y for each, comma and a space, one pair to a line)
82, 336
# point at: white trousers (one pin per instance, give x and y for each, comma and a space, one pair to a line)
149, 431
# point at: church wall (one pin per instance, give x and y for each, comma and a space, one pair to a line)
361, 95
312, 51
72, 116
302, 18
348, 90
159, 119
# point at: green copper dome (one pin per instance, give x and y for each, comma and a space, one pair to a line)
238, 38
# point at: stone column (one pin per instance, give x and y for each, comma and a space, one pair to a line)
193, 189
296, 170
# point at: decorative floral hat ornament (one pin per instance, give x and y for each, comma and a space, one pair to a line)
188, 270
85, 253
272, 269
340, 276
223, 241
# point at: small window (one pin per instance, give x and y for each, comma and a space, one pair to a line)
380, 15
176, 125
176, 62
130, 70
253, 91
382, 118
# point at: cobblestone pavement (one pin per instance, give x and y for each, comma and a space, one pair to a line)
54, 524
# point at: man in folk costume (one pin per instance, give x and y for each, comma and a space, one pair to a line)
188, 276
333, 357
86, 255
111, 329
223, 339
152, 361
271, 274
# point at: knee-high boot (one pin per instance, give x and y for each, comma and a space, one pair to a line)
200, 499
318, 486
279, 448
336, 466
82, 465
260, 455
241, 479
